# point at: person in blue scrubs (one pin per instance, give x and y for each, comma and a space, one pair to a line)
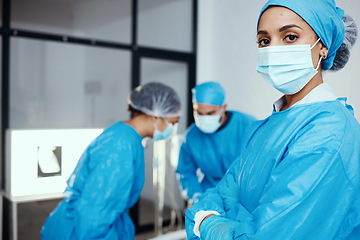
212, 143
299, 174
109, 176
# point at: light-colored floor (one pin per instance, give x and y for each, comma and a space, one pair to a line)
144, 236
32, 215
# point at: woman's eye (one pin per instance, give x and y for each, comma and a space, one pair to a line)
263, 42
291, 38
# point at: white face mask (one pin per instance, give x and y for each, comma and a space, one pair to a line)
207, 123
287, 68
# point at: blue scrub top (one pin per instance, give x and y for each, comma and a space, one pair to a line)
106, 182
298, 178
211, 153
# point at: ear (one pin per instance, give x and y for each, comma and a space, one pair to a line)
153, 124
158, 120
324, 51
152, 119
225, 107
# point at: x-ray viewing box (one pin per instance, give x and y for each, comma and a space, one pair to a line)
39, 162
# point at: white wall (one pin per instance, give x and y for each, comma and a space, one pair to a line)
227, 53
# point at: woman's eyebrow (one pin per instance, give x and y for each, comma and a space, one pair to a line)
262, 32
289, 26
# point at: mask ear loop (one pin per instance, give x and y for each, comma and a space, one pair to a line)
321, 57
315, 44
222, 114
166, 122
156, 126
318, 65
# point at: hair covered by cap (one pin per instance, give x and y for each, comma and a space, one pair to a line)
209, 93
351, 34
155, 99
323, 17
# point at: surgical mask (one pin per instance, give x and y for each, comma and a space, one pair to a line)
287, 68
207, 123
161, 135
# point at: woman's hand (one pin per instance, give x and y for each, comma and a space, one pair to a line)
205, 219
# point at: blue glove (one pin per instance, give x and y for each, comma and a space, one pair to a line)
218, 227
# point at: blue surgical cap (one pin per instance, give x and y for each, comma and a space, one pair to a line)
209, 93
323, 17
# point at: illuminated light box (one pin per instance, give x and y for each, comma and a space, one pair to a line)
41, 161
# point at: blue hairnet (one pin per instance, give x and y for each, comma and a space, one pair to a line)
155, 99
209, 93
323, 17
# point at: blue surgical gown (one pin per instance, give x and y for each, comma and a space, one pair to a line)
298, 178
211, 153
106, 182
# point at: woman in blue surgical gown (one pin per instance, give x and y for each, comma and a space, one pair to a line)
109, 176
299, 175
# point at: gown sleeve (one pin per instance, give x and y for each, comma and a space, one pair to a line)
106, 192
225, 200
187, 170
307, 196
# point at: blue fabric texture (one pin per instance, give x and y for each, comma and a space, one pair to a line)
323, 17
297, 178
209, 93
211, 153
106, 182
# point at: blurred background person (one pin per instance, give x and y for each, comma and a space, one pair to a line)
109, 176
212, 143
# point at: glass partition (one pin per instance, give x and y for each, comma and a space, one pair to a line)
57, 85
175, 75
106, 20
165, 24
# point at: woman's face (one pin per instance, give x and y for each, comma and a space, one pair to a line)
161, 123
279, 26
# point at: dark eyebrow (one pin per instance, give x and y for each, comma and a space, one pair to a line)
262, 32
288, 26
